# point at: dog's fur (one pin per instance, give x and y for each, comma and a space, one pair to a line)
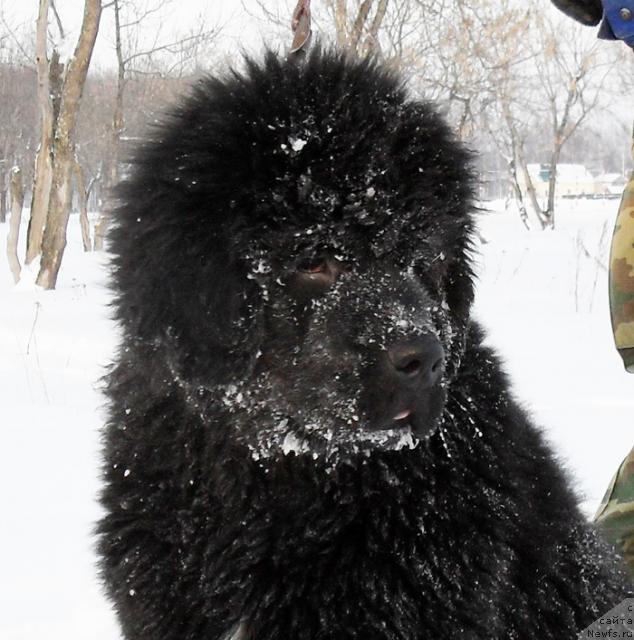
587, 12
256, 486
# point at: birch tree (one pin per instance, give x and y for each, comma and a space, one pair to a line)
16, 190
60, 88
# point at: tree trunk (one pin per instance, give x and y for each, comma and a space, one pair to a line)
112, 176
100, 231
517, 191
3, 192
54, 238
3, 202
82, 197
341, 19
359, 24
43, 159
372, 39
552, 186
117, 116
530, 187
518, 161
17, 202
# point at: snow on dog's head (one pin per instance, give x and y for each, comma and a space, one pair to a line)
294, 245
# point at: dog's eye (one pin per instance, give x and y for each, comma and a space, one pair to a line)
315, 275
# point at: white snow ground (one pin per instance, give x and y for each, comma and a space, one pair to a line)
542, 295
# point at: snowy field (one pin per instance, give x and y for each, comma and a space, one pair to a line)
543, 296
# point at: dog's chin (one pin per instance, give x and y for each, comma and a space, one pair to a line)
423, 425
332, 440
421, 417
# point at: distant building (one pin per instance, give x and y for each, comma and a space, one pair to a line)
573, 181
610, 184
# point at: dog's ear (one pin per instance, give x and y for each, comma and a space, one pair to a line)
217, 326
459, 294
459, 290
182, 291
587, 12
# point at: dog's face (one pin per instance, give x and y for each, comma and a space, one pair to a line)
311, 274
354, 352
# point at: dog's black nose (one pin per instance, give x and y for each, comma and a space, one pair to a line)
419, 361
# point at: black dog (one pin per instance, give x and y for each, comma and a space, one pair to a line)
307, 439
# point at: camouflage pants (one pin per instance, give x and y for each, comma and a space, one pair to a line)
622, 278
616, 513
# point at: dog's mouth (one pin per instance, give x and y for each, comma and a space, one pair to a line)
340, 427
421, 421
402, 417
401, 421
288, 436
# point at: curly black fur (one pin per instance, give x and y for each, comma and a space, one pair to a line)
587, 12
256, 485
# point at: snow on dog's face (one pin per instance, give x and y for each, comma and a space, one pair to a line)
355, 344
301, 236
353, 356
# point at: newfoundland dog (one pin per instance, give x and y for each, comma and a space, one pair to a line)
306, 437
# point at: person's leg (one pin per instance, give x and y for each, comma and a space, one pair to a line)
622, 278
616, 513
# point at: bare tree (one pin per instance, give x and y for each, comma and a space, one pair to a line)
517, 69
17, 202
17, 106
161, 56
572, 78
500, 72
16, 121
496, 81
60, 90
355, 24
558, 85
358, 26
82, 198
44, 159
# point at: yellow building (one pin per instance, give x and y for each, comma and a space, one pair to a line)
573, 180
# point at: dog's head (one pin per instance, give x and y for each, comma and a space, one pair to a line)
293, 244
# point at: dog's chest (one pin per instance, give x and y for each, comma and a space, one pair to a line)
368, 558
